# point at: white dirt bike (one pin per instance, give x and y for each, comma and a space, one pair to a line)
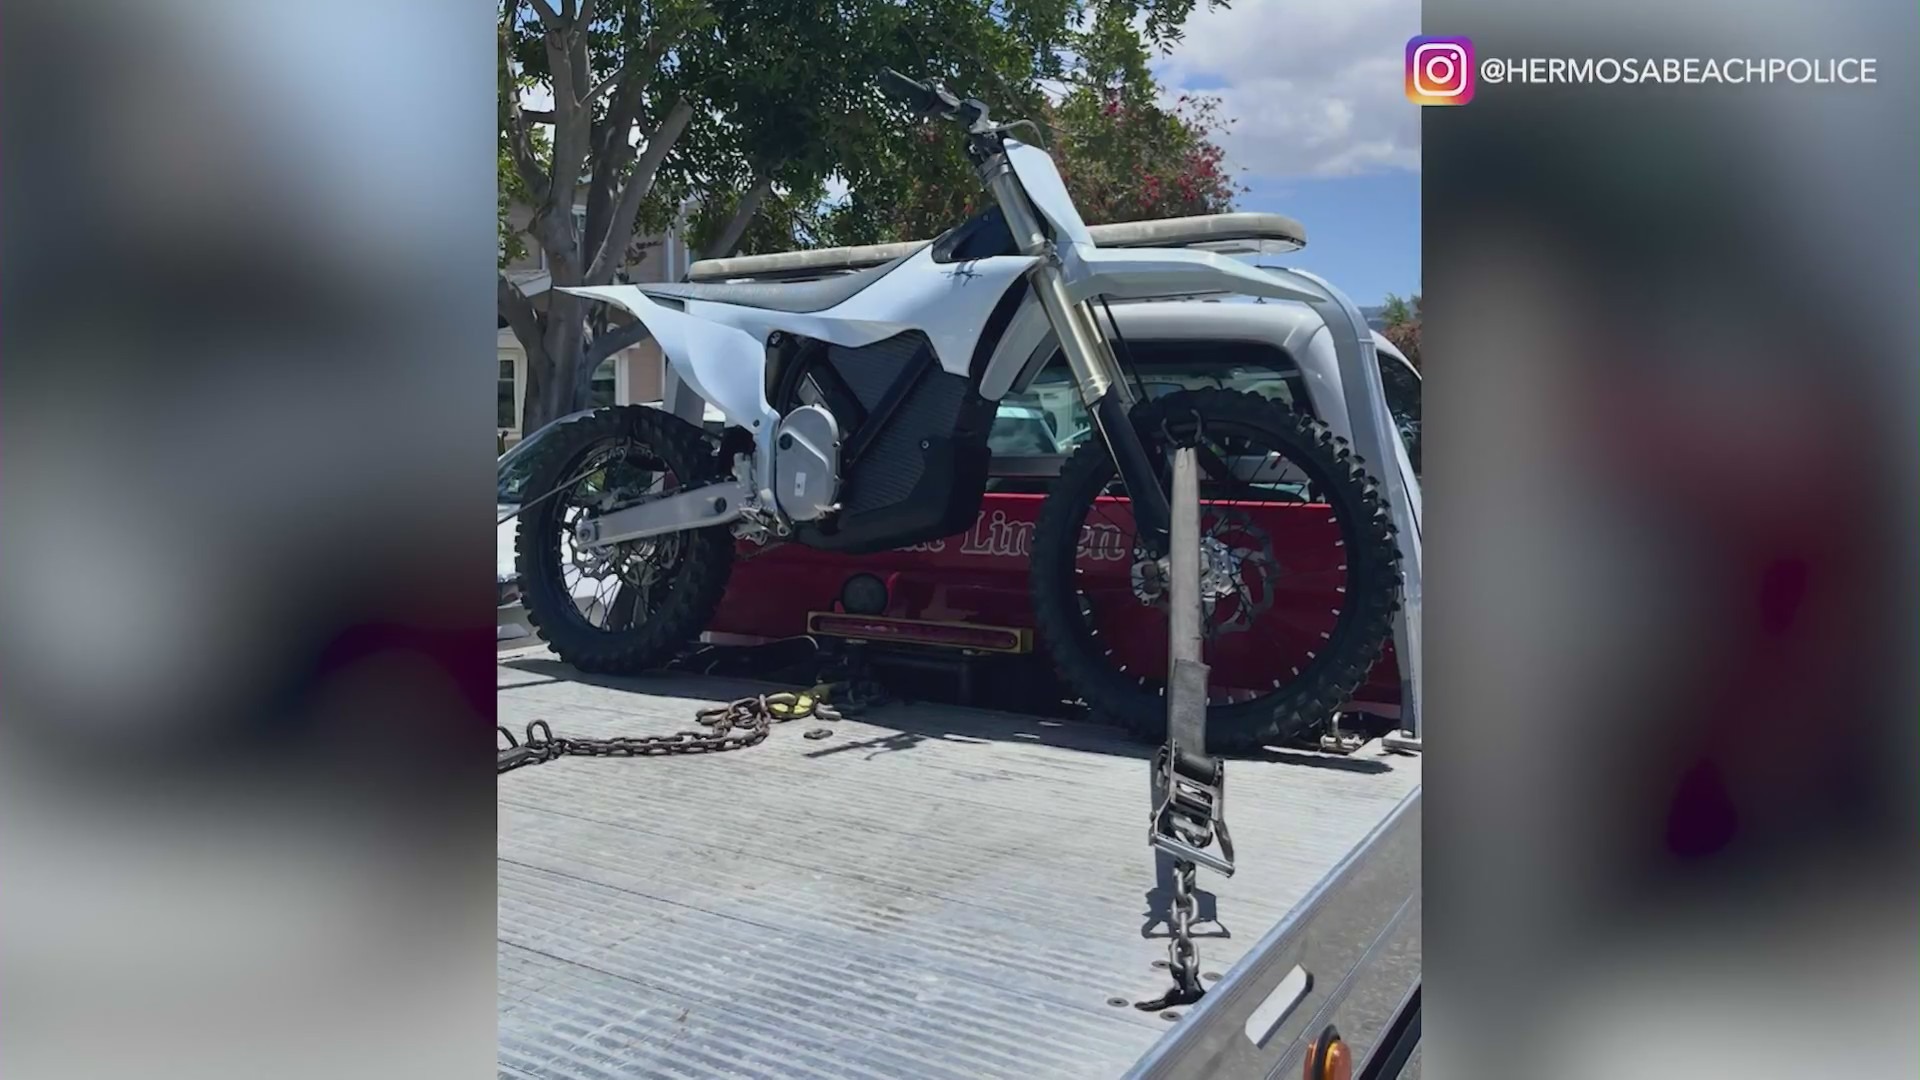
857, 411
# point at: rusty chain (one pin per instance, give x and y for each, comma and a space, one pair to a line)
733, 726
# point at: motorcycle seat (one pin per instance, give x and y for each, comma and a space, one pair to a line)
794, 296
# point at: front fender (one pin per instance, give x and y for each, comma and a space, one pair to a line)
721, 364
1140, 273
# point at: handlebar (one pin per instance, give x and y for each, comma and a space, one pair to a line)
923, 98
911, 92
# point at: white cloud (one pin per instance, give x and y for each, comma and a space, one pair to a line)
1316, 85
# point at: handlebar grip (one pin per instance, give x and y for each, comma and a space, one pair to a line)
910, 91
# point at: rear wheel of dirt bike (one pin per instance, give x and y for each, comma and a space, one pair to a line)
631, 606
1299, 572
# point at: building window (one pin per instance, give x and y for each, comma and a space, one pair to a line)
508, 417
604, 387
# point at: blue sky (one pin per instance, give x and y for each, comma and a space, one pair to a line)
1363, 232
1324, 131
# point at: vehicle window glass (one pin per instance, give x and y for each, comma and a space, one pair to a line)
1022, 426
1048, 417
1402, 388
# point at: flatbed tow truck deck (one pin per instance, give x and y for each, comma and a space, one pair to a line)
930, 891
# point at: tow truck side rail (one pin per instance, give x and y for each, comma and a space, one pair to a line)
1348, 955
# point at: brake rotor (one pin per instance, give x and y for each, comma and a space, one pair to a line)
1236, 562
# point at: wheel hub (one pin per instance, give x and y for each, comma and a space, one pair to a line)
1226, 570
1219, 573
1219, 568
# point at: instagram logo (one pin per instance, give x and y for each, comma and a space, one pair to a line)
1439, 70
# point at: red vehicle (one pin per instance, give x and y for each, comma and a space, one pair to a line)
969, 593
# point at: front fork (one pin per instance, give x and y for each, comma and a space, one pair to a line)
1089, 354
1151, 513
1110, 402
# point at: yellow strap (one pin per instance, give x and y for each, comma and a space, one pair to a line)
790, 706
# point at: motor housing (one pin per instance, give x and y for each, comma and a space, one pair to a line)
806, 463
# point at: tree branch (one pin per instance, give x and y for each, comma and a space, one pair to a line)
614, 340
537, 116
743, 213
613, 151
607, 84
519, 142
548, 17
572, 128
613, 247
577, 60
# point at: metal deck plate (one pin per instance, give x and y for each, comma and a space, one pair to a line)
930, 892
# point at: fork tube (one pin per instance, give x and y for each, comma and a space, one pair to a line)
1150, 510
1096, 371
1109, 402
1094, 368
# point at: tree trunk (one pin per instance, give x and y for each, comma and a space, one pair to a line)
550, 385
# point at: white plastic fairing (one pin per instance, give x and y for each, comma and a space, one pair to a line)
722, 364
1048, 193
1025, 335
949, 302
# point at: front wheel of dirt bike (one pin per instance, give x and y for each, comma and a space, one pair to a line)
629, 607
1299, 572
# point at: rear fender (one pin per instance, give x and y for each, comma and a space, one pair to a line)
721, 364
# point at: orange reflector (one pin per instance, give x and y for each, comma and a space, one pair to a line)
1329, 1058
1339, 1062
951, 635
